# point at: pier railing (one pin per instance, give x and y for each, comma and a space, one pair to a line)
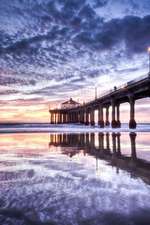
113, 90
120, 87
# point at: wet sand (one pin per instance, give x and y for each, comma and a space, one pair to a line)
67, 178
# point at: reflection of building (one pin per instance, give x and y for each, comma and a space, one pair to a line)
69, 104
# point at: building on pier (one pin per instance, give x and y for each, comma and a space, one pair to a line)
69, 104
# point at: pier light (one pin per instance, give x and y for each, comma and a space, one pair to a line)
95, 92
148, 49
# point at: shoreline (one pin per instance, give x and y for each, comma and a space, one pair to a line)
70, 129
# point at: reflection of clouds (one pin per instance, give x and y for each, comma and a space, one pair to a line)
63, 189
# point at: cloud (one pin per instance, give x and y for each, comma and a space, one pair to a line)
134, 31
48, 48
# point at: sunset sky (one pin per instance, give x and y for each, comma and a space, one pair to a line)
51, 50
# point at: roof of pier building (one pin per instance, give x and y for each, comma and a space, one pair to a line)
69, 104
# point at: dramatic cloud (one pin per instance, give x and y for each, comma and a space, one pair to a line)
54, 49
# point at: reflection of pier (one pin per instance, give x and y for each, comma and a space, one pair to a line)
104, 146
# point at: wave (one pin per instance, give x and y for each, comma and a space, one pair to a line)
69, 128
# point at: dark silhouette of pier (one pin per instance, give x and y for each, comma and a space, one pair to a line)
84, 114
107, 147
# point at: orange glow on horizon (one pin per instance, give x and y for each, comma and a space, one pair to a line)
38, 112
29, 112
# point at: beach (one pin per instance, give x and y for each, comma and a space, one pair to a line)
89, 177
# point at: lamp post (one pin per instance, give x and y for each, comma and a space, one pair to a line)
95, 93
148, 60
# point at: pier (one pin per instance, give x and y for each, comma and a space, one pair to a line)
85, 113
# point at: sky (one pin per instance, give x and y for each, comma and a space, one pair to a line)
51, 50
